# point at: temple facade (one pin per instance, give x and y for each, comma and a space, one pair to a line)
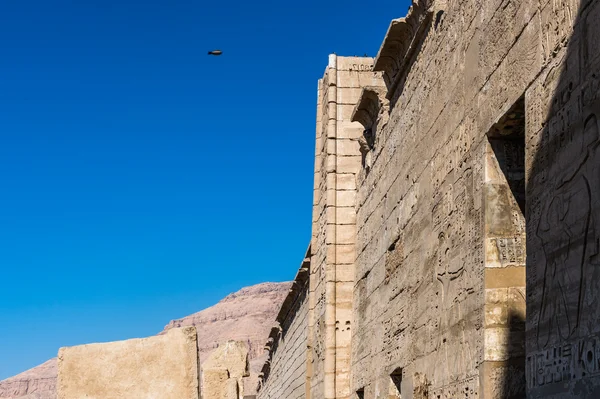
455, 247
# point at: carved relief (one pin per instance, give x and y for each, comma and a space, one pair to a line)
564, 362
467, 388
557, 21
448, 270
318, 342
569, 232
511, 251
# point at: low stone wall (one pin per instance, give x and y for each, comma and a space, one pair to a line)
285, 373
161, 367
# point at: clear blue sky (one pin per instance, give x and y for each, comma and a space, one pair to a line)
140, 179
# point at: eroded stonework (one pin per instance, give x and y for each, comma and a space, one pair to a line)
453, 171
164, 367
224, 371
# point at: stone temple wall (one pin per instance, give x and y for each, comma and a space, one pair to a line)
430, 298
563, 213
453, 170
285, 373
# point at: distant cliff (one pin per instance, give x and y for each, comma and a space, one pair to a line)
36, 383
246, 315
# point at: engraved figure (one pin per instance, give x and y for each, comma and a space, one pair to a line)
448, 270
569, 231
451, 271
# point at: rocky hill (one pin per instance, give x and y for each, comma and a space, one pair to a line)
246, 315
36, 383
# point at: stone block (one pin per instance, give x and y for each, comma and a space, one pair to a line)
357, 64
232, 390
341, 214
229, 359
346, 181
348, 164
233, 356
505, 277
341, 198
348, 95
342, 253
343, 147
165, 366
350, 130
215, 383
341, 234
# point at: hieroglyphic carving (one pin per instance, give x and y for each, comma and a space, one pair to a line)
448, 215
557, 21
318, 343
564, 362
511, 251
569, 232
448, 271
467, 388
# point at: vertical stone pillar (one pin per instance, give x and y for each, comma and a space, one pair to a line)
330, 235
337, 163
503, 369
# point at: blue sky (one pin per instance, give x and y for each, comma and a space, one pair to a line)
140, 179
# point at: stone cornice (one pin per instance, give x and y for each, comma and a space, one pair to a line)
401, 41
366, 110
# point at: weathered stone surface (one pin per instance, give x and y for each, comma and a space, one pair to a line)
163, 367
215, 383
231, 355
286, 373
563, 163
476, 175
224, 370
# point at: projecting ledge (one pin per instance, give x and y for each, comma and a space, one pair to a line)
401, 41
371, 99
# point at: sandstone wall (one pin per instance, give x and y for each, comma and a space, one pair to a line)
223, 372
439, 294
285, 374
333, 250
316, 302
476, 161
163, 367
563, 168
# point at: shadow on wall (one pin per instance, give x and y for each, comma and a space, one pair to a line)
513, 379
563, 207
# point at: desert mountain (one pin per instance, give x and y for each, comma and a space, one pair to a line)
246, 315
36, 383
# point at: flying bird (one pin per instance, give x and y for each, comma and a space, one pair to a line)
215, 52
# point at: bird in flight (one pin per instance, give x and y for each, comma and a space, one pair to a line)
215, 52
